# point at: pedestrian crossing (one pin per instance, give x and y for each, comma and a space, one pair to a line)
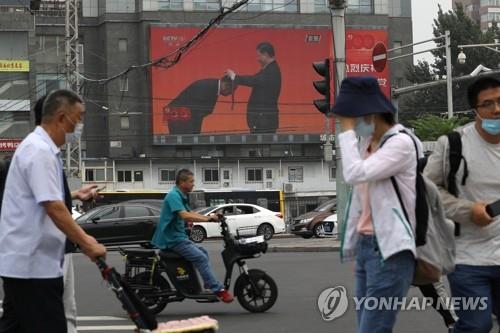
100, 323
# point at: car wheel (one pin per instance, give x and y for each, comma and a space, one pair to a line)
306, 236
266, 230
319, 231
198, 234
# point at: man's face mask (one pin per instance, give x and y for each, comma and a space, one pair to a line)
364, 129
74, 137
491, 126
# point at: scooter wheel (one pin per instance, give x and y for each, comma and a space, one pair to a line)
257, 291
155, 304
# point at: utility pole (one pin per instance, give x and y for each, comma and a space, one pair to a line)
73, 152
337, 10
449, 85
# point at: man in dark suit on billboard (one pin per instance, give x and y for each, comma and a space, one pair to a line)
184, 115
262, 108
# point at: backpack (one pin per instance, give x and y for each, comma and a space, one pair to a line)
434, 234
4, 169
455, 156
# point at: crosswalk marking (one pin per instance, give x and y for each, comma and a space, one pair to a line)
107, 328
100, 318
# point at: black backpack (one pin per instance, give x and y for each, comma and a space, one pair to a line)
421, 206
4, 169
455, 157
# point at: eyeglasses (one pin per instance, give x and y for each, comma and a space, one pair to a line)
489, 105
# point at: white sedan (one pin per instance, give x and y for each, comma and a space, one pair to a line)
242, 219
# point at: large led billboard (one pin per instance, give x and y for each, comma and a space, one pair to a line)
270, 97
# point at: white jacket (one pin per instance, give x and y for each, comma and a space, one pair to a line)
395, 158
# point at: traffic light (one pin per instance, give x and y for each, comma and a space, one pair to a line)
323, 86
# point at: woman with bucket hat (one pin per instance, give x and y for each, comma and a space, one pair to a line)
376, 233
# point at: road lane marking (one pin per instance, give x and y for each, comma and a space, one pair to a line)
99, 318
107, 328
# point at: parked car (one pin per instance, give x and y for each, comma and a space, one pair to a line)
122, 224
243, 220
320, 222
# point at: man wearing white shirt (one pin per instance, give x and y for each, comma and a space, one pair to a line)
35, 223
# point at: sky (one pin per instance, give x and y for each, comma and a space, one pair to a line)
424, 12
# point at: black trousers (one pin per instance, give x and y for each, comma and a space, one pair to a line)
33, 305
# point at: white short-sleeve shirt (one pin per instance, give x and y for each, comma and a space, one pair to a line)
31, 246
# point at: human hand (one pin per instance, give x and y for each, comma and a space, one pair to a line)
347, 123
213, 218
479, 215
87, 192
231, 74
92, 249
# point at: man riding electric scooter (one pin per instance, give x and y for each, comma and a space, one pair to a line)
171, 233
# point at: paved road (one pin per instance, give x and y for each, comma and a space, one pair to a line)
301, 277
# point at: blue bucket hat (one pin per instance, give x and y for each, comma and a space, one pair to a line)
361, 96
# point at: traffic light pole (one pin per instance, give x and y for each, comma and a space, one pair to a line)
337, 10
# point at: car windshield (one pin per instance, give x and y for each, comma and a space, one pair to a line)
325, 206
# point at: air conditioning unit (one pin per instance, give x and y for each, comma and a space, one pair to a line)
225, 184
269, 184
288, 188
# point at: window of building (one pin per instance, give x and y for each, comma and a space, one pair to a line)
254, 175
46, 83
170, 4
123, 83
125, 176
206, 4
295, 174
210, 175
123, 44
397, 43
321, 6
138, 176
360, 7
333, 173
51, 49
90, 8
274, 5
124, 122
94, 175
381, 7
167, 175
120, 6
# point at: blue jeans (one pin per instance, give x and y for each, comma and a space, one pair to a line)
377, 278
476, 281
199, 257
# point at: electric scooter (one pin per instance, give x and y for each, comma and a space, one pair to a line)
166, 277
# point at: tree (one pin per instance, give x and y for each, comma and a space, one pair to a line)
463, 31
431, 127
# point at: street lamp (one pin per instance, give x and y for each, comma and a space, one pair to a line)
461, 57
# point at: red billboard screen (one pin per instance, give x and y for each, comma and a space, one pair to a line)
272, 95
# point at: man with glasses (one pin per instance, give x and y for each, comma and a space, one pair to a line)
477, 275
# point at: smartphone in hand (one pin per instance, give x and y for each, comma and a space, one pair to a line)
493, 209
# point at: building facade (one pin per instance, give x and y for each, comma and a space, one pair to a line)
484, 12
122, 146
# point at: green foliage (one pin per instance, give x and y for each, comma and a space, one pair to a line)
431, 127
463, 31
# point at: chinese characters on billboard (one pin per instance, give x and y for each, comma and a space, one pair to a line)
249, 80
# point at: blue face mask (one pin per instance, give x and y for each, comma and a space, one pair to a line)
363, 129
491, 126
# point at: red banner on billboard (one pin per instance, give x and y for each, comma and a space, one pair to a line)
9, 144
188, 98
